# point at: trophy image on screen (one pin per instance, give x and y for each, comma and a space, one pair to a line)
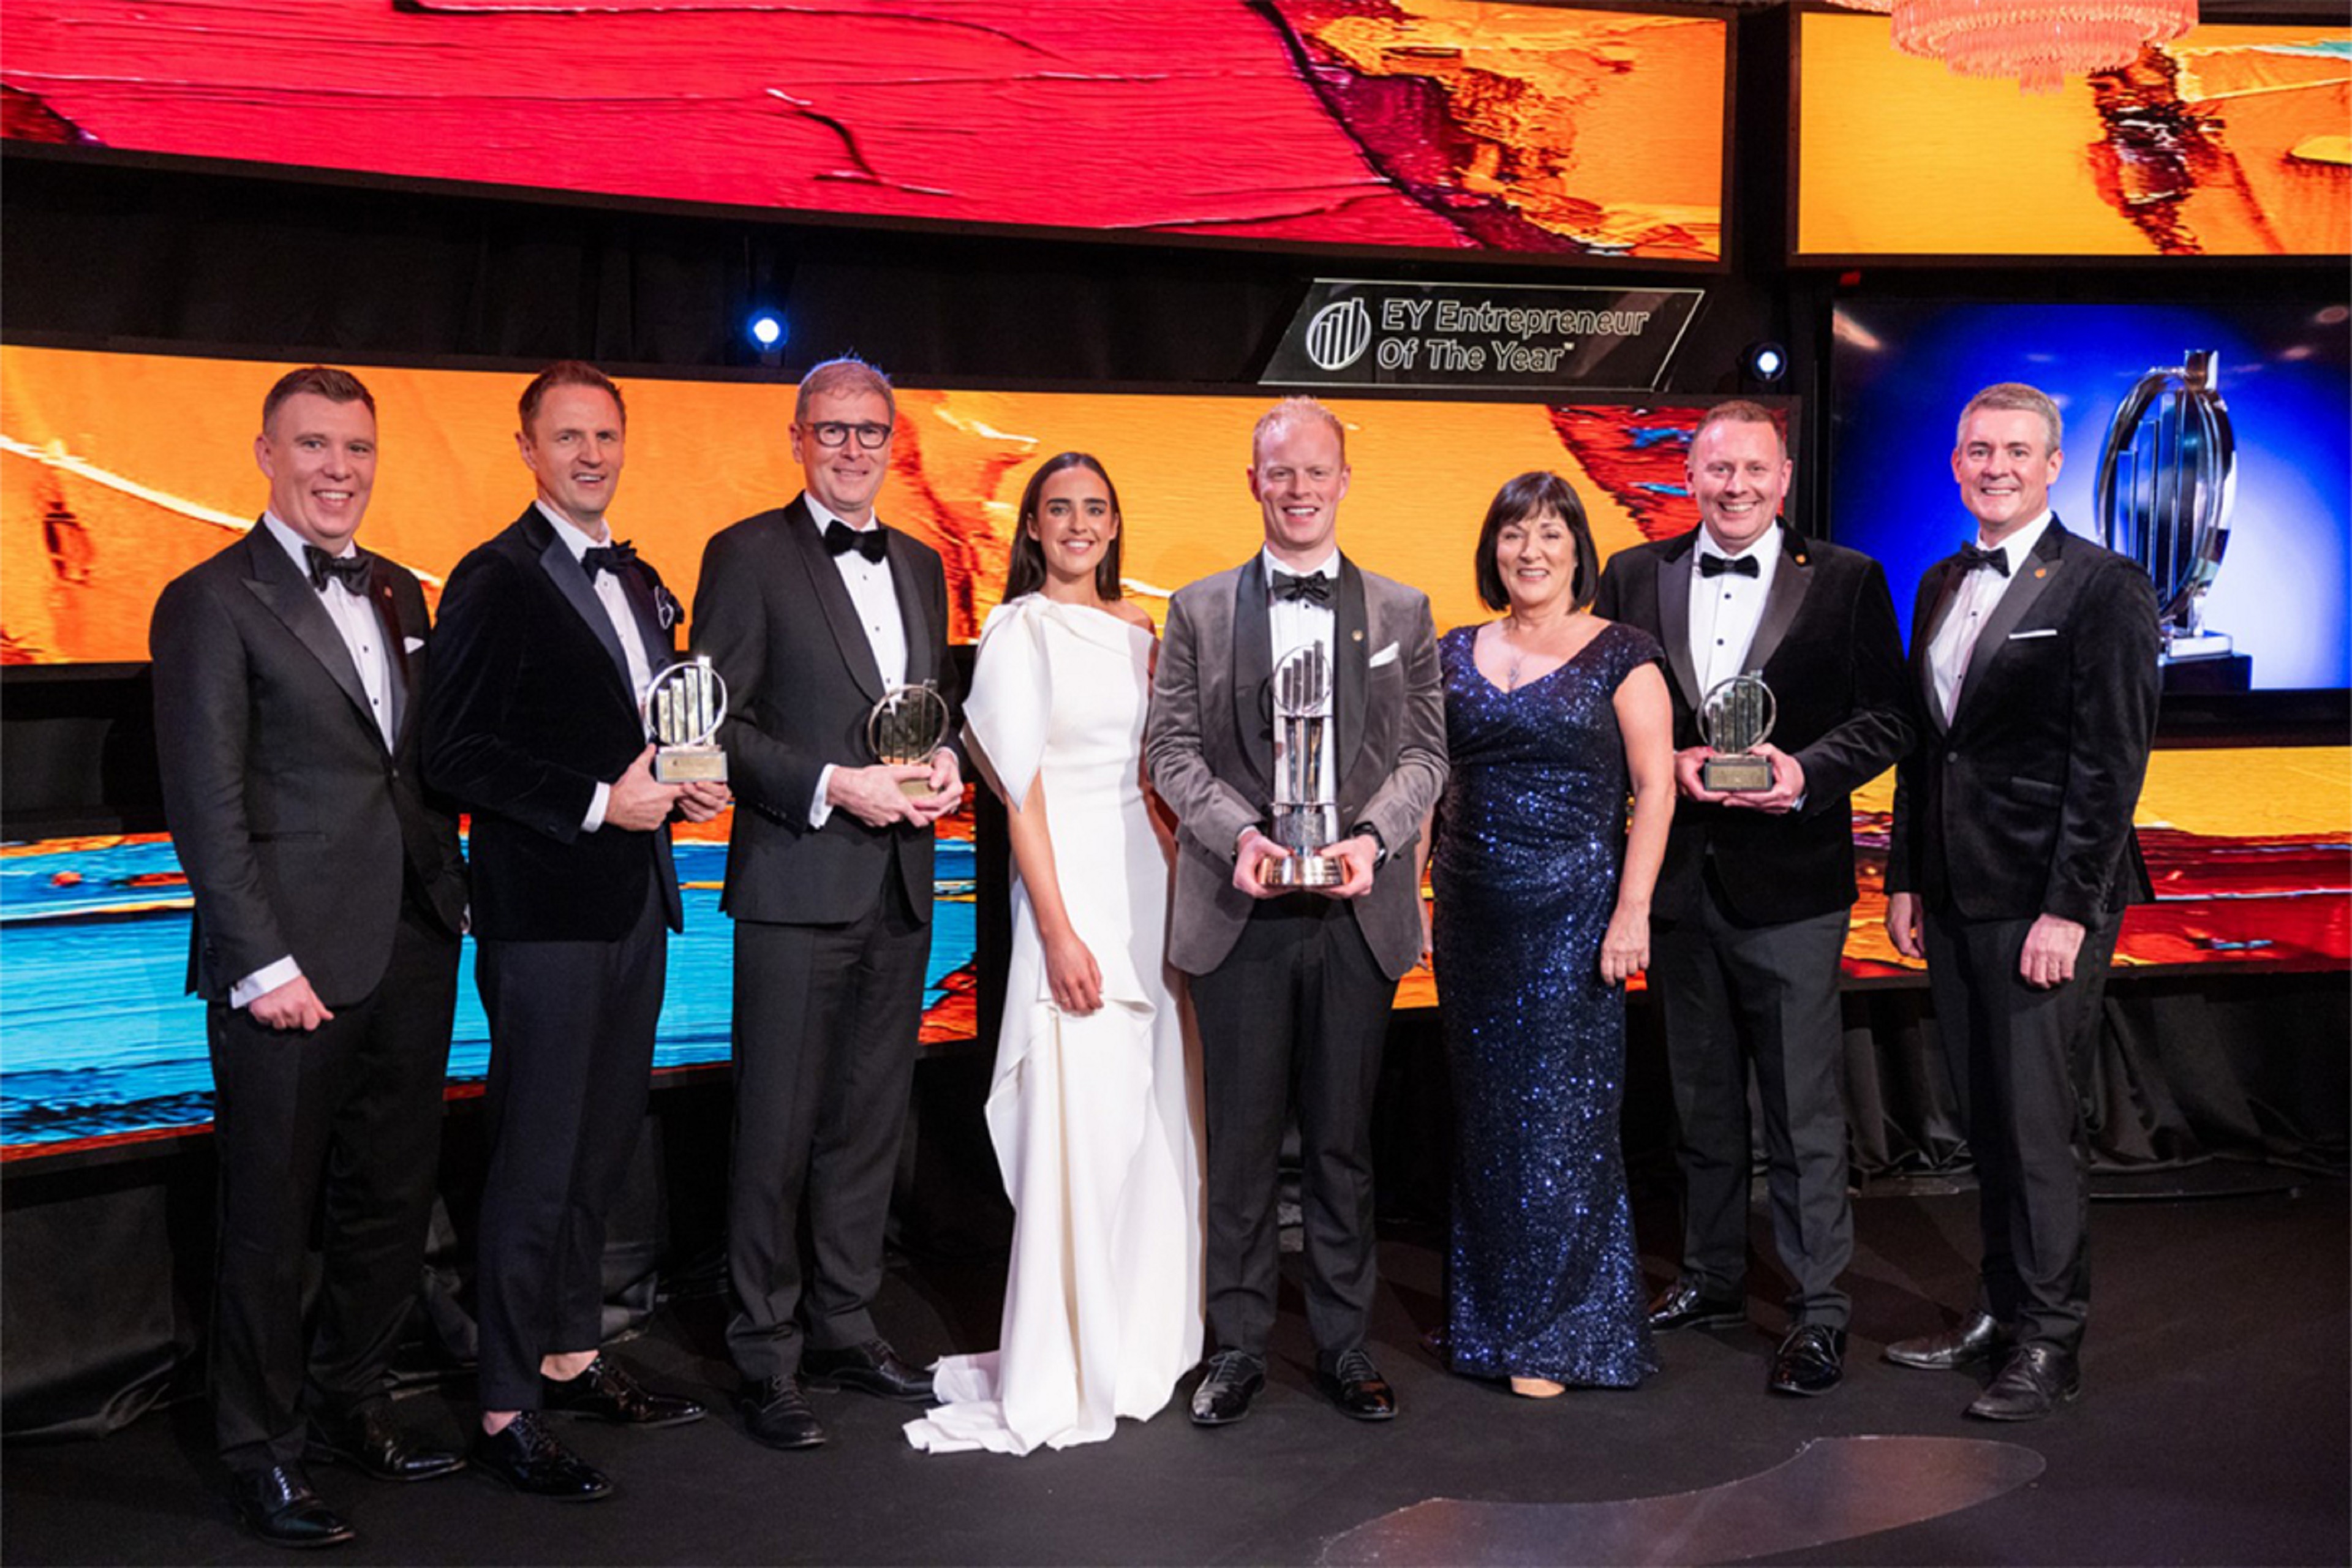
2167, 480
683, 708
1737, 717
906, 727
1304, 822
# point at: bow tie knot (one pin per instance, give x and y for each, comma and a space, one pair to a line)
353, 569
1971, 557
1312, 588
840, 539
1738, 565
608, 558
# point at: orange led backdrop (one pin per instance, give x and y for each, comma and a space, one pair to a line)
2230, 141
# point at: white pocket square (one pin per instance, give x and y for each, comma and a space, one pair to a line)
1386, 655
410, 645
2044, 632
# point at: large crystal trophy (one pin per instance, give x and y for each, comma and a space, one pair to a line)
2167, 480
906, 727
1305, 821
683, 708
1737, 717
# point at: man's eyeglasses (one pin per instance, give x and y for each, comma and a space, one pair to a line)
832, 434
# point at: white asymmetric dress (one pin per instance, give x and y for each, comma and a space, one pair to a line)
1094, 1119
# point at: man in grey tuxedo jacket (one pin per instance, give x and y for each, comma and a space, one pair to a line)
1293, 987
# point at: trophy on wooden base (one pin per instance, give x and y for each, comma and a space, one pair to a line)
683, 708
906, 727
1737, 717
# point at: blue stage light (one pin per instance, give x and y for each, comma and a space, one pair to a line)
767, 329
1765, 364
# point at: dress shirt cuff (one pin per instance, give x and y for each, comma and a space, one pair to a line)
263, 980
821, 809
596, 805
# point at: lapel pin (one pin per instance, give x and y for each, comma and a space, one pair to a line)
1357, 635
2042, 570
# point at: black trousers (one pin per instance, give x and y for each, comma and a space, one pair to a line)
1299, 1009
2018, 1059
343, 1126
1734, 994
571, 1051
827, 1023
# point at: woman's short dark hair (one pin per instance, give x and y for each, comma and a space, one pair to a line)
1027, 572
1520, 500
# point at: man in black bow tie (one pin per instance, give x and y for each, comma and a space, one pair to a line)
551, 633
1748, 920
812, 613
2033, 655
329, 897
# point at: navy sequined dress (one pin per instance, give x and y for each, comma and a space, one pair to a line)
1546, 1282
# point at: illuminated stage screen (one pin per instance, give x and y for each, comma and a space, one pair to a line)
1428, 124
2229, 142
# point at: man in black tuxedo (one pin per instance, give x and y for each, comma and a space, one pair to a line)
330, 896
1749, 921
811, 613
550, 633
2033, 653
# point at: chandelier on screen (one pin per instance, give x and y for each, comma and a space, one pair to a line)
2038, 42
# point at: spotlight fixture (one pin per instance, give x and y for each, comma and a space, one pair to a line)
1763, 364
767, 333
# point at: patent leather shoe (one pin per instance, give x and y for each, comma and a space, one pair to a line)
1688, 1306
1811, 1360
606, 1392
526, 1456
277, 1505
1979, 1338
872, 1368
775, 1412
371, 1442
1224, 1396
2034, 1382
1357, 1387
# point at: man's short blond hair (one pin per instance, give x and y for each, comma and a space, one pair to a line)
2015, 396
847, 374
1293, 411
1739, 411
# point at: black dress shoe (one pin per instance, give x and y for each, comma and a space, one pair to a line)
1979, 1338
526, 1456
1811, 1360
1224, 1393
606, 1392
1357, 1387
775, 1412
277, 1505
2034, 1382
872, 1368
370, 1441
1688, 1306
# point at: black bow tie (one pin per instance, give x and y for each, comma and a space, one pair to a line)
1971, 558
607, 558
1314, 588
840, 539
1738, 565
352, 568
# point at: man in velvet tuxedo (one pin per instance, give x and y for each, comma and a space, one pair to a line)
1749, 921
550, 633
812, 613
1293, 988
2033, 657
328, 897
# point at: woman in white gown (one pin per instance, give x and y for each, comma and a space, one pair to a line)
1094, 1105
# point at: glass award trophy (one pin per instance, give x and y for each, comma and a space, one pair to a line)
683, 708
2168, 482
906, 727
1737, 717
1305, 821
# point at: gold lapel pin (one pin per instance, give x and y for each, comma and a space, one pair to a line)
2042, 570
1357, 635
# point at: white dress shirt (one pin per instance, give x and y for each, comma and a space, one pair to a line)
1979, 592
1724, 610
355, 621
1295, 624
875, 597
616, 600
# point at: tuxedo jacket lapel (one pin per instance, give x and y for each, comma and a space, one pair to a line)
2033, 578
399, 664
1782, 601
1252, 670
279, 584
1674, 614
807, 545
912, 620
660, 645
571, 580
1350, 678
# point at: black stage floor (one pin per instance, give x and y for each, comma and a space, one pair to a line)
2213, 1430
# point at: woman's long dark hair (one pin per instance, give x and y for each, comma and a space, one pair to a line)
1028, 573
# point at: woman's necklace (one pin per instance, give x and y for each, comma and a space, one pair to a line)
1511, 623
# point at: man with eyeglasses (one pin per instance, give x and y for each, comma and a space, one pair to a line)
812, 613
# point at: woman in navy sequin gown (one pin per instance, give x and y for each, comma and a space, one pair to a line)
1552, 716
